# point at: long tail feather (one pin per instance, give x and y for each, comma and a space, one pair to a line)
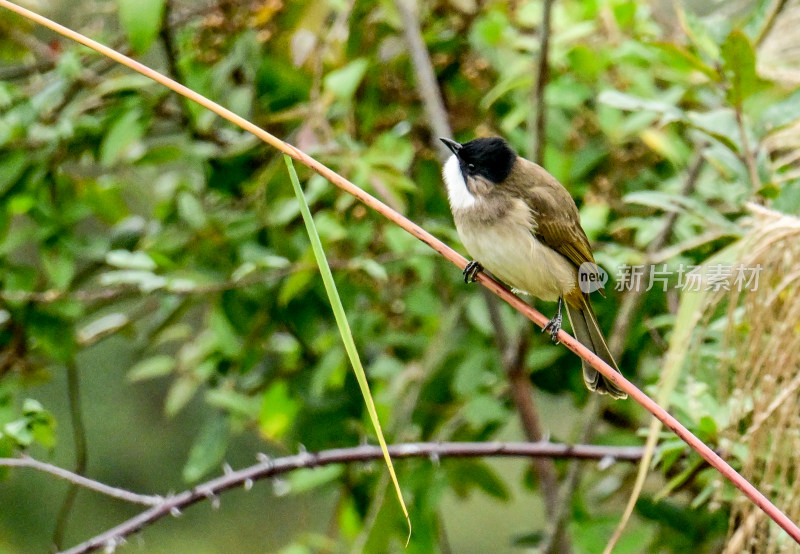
587, 331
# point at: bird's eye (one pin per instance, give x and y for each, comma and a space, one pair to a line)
471, 167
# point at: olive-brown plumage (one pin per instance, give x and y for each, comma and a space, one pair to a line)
517, 221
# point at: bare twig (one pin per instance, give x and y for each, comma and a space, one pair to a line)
427, 86
550, 543
167, 35
520, 382
81, 481
448, 253
766, 29
79, 439
747, 152
512, 355
270, 468
543, 73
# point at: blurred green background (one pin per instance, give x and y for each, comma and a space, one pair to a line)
158, 253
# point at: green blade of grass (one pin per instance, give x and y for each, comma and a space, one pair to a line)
344, 327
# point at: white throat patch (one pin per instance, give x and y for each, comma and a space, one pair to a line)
457, 191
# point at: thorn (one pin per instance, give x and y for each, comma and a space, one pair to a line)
248, 484
226, 468
435, 459
281, 487
175, 511
112, 544
263, 458
606, 462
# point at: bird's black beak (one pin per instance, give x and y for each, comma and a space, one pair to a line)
451, 144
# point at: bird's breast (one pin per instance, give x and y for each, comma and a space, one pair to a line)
507, 247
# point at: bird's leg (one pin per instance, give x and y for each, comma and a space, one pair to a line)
471, 271
554, 325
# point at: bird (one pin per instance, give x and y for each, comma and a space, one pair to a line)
518, 222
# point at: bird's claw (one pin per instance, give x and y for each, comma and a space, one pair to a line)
471, 271
554, 326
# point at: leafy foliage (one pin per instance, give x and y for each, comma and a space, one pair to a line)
133, 219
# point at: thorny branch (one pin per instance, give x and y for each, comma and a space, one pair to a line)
266, 468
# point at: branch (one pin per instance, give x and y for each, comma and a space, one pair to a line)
79, 439
766, 29
512, 355
543, 74
267, 468
746, 156
427, 86
81, 481
610, 373
520, 381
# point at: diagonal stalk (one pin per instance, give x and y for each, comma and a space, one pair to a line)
344, 327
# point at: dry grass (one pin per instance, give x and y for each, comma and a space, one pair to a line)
760, 380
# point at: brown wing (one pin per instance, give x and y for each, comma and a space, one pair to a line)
558, 223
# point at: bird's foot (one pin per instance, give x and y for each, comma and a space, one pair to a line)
554, 326
471, 271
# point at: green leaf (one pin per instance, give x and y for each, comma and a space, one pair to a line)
477, 474
156, 366
719, 124
781, 114
707, 429
125, 259
471, 374
180, 393
680, 52
278, 411
234, 402
490, 29
145, 280
304, 480
739, 66
59, 267
343, 83
631, 103
19, 431
478, 315
12, 165
208, 449
101, 327
344, 328
123, 133
228, 341
191, 210
699, 32
298, 282
483, 410
141, 20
